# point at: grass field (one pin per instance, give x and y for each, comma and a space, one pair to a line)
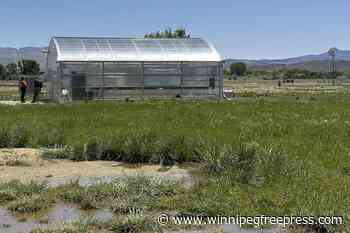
300, 86
247, 87
285, 152
276, 155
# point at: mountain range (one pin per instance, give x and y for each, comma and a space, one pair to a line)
320, 62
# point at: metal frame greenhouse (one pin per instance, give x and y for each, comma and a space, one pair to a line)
114, 68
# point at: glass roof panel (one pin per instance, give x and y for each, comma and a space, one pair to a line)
133, 49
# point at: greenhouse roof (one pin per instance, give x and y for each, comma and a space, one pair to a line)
133, 49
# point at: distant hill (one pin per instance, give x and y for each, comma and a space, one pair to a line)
8, 55
319, 62
310, 62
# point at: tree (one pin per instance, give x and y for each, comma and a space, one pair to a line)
12, 72
29, 67
169, 33
2, 72
238, 68
181, 33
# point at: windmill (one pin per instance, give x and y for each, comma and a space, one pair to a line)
332, 53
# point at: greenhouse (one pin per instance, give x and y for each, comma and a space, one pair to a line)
115, 68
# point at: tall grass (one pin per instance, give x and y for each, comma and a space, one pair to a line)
173, 131
273, 155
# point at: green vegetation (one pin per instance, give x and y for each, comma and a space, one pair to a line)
169, 33
12, 71
29, 67
238, 69
80, 226
2, 72
24, 198
121, 196
135, 225
29, 204
274, 156
129, 224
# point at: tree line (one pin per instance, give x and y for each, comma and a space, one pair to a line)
169, 33
13, 71
240, 69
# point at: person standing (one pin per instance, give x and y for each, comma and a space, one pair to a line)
23, 89
37, 89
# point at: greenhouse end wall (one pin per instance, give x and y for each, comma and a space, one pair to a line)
116, 80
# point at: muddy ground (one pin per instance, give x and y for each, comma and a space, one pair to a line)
27, 165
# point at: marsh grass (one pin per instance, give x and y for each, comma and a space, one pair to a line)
122, 194
16, 136
20, 189
24, 198
29, 204
117, 225
58, 152
135, 225
248, 163
276, 155
80, 226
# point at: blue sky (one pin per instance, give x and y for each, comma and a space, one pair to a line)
239, 29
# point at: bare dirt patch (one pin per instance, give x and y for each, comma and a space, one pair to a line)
60, 172
20, 157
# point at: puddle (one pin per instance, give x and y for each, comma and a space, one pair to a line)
61, 213
67, 213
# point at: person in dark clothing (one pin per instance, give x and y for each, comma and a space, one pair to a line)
37, 89
23, 89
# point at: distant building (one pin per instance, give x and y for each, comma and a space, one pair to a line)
112, 68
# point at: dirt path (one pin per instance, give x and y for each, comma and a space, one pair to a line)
27, 165
14, 102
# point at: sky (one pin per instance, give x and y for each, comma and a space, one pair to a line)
252, 29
